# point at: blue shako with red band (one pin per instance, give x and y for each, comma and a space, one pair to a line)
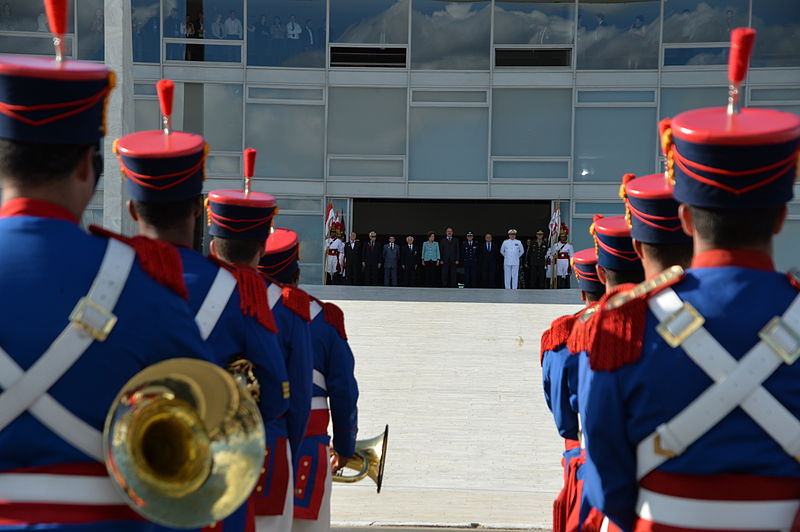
730, 158
584, 263
162, 166
651, 211
281, 257
48, 102
612, 238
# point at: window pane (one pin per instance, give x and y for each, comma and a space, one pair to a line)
373, 22
531, 170
33, 45
309, 230
579, 234
450, 35
616, 208
367, 121
616, 96
365, 168
531, 122
300, 204
533, 22
778, 24
25, 15
286, 33
90, 30
448, 144
695, 56
611, 142
145, 88
674, 101
227, 165
774, 94
289, 138
285, 94
449, 96
222, 116
146, 31
617, 35
204, 52
147, 115
706, 21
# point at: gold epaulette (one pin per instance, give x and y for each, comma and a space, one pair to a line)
588, 313
669, 276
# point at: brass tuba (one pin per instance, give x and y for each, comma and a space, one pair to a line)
184, 443
369, 460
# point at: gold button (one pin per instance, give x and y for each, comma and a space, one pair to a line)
305, 463
302, 477
299, 491
259, 489
266, 451
263, 470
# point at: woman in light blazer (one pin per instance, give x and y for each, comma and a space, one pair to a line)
430, 258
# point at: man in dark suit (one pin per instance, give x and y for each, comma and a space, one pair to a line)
409, 262
487, 262
469, 257
448, 249
391, 260
371, 259
352, 260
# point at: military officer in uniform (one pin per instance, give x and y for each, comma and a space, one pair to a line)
559, 254
691, 419
335, 397
469, 257
536, 260
511, 250
83, 313
334, 257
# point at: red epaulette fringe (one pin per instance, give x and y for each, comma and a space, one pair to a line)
160, 260
614, 337
557, 334
794, 278
593, 522
335, 318
253, 298
297, 300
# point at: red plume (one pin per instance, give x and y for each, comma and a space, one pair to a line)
627, 178
166, 90
249, 162
597, 217
742, 40
57, 15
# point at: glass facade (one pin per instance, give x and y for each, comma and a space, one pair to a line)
486, 99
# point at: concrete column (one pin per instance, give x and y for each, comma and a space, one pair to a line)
119, 113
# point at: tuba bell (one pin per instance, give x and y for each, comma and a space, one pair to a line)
184, 443
369, 460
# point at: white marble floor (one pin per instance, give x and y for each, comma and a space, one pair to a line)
456, 375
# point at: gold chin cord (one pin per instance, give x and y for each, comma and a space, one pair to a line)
369, 460
184, 443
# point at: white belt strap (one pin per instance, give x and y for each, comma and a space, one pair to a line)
215, 302
716, 515
319, 380
319, 403
736, 384
315, 308
274, 294
28, 390
55, 489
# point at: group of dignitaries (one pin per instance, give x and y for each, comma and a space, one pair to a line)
85, 312
676, 388
407, 263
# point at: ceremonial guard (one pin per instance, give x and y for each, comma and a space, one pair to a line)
511, 250
83, 313
334, 257
560, 384
335, 397
469, 256
691, 399
560, 254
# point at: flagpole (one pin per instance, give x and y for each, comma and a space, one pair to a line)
553, 257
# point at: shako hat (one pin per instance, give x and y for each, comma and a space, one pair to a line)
584, 264
53, 100
241, 214
613, 243
651, 211
726, 158
164, 165
282, 254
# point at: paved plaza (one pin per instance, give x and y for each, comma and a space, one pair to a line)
456, 375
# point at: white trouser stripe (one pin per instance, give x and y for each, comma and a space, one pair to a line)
215, 302
737, 384
319, 380
57, 489
715, 515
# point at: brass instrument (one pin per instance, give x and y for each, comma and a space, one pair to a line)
369, 460
184, 443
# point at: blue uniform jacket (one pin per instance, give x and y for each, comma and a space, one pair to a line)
560, 384
47, 264
737, 296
